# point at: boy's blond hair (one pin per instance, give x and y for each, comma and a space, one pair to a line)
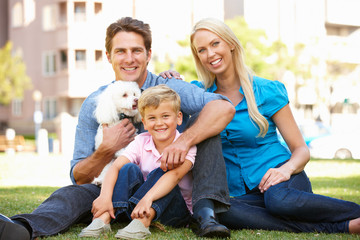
153, 96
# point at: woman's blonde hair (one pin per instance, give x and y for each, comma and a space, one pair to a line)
241, 70
153, 96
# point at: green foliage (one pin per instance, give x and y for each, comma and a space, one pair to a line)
185, 65
267, 59
13, 78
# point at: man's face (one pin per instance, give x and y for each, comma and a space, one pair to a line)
128, 57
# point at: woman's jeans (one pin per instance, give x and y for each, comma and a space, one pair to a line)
290, 206
130, 188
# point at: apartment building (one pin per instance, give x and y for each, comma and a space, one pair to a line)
62, 43
329, 30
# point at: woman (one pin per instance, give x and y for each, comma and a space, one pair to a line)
267, 183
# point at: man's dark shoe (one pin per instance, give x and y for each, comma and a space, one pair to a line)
12, 231
206, 225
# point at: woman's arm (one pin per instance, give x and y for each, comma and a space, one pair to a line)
161, 188
103, 203
300, 154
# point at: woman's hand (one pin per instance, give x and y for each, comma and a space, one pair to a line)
171, 74
274, 176
102, 205
142, 209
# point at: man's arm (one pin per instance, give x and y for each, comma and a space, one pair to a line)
213, 118
114, 139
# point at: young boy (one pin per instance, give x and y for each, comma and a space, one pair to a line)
147, 193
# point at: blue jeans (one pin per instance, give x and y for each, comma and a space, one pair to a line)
130, 188
72, 204
209, 173
66, 206
290, 206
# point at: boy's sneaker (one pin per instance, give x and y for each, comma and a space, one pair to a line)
135, 230
12, 231
96, 227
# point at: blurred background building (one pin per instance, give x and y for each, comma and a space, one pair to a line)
62, 44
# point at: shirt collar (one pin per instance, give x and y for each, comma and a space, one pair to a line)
150, 145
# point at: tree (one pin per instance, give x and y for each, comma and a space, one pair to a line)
267, 59
13, 78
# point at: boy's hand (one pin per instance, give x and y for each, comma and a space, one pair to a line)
102, 205
142, 209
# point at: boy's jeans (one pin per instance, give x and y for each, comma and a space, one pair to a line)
130, 189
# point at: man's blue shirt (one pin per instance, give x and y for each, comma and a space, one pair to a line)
193, 99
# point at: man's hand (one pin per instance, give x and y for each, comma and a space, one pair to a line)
174, 154
114, 139
118, 136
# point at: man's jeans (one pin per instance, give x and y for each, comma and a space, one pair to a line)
290, 206
72, 204
209, 172
130, 188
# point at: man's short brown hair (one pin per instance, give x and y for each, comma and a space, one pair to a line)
128, 24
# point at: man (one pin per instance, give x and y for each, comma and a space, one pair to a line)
128, 49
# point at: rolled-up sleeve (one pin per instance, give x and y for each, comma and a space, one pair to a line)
86, 130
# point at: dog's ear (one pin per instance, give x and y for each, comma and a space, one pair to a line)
105, 111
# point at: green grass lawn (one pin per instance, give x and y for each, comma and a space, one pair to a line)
335, 178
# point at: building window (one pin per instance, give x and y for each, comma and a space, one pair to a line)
62, 12
98, 8
16, 107
98, 59
49, 63
63, 59
98, 56
80, 11
80, 59
49, 17
50, 108
17, 15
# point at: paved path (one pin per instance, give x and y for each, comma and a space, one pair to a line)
29, 169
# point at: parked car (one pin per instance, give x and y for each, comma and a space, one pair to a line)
336, 146
310, 130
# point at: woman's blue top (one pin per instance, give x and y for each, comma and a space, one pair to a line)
247, 156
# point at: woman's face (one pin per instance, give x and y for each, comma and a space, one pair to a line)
214, 53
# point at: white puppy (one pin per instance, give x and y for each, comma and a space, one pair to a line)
116, 102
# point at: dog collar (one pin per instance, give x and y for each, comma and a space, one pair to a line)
123, 116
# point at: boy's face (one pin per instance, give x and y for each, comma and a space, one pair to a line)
161, 122
129, 58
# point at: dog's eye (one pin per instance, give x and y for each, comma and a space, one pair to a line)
125, 95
